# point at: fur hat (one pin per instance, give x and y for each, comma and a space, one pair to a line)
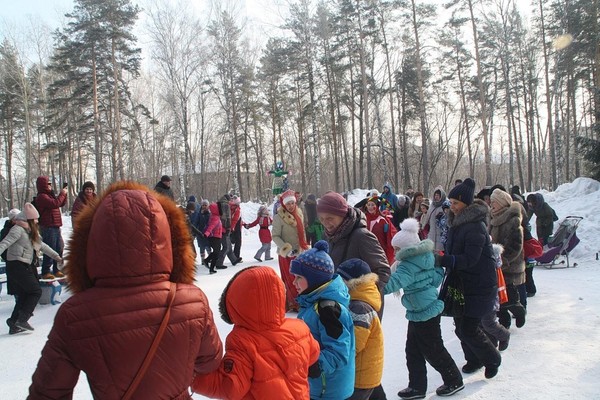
408, 235
13, 213
425, 202
314, 265
29, 212
333, 203
501, 197
287, 197
353, 268
88, 184
463, 192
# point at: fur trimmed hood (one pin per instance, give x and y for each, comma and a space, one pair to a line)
364, 288
423, 247
475, 212
130, 236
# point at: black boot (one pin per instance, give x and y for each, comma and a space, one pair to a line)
22, 322
12, 329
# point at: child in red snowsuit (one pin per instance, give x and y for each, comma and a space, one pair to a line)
263, 220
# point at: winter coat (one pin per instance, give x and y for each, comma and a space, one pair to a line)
545, 217
264, 234
390, 196
80, 202
265, 353
416, 275
469, 252
506, 230
125, 252
213, 228
335, 336
164, 190
48, 204
356, 241
225, 213
20, 248
365, 302
435, 211
202, 218
285, 233
236, 216
384, 230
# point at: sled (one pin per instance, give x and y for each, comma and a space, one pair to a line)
561, 244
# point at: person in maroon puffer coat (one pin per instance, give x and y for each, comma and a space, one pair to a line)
48, 205
125, 252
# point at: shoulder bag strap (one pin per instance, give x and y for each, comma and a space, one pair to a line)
150, 355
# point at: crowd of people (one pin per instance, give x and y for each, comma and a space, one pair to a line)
336, 261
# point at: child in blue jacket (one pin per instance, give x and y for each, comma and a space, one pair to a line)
416, 275
324, 299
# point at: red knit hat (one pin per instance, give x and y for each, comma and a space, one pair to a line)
332, 203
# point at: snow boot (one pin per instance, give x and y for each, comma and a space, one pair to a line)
471, 367
22, 323
410, 393
449, 390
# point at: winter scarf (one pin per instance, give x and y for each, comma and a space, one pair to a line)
295, 219
349, 220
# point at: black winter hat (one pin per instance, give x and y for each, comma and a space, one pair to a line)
463, 192
165, 178
352, 269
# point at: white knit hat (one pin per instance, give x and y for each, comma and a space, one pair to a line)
13, 213
408, 235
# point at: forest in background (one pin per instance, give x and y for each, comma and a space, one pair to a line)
348, 93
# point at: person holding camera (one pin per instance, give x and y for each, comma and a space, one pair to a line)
48, 205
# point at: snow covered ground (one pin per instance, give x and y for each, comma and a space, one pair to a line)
555, 355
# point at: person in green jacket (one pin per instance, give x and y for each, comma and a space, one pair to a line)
418, 277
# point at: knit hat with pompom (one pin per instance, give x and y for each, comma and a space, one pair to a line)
315, 264
408, 235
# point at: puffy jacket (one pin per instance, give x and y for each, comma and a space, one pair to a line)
365, 302
419, 279
264, 234
337, 357
20, 247
469, 251
48, 204
356, 241
126, 250
506, 229
266, 354
214, 227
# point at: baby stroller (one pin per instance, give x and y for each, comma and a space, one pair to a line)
561, 243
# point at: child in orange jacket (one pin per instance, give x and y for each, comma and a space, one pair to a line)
266, 354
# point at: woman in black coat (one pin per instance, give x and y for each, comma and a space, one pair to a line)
469, 252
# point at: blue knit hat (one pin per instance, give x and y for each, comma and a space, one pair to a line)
463, 192
353, 268
315, 264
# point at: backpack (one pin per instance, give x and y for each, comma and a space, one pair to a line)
3, 234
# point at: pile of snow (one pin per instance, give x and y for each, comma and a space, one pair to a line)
555, 355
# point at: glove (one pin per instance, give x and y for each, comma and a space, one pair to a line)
314, 371
246, 226
202, 235
60, 264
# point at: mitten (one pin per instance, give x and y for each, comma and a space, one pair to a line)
285, 250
